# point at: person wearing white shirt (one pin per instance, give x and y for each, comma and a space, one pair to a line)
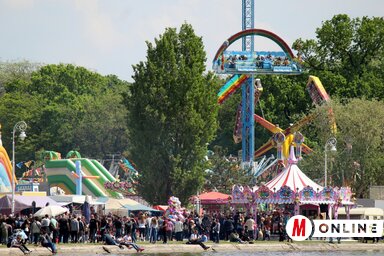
196, 239
179, 230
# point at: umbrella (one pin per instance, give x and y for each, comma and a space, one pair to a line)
51, 210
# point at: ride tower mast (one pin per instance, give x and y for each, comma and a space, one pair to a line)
247, 90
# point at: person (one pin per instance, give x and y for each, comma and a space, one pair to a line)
118, 227
93, 227
63, 229
250, 225
164, 231
179, 230
196, 239
46, 241
267, 234
215, 231
45, 222
127, 241
53, 226
35, 230
234, 237
110, 240
18, 242
74, 227
153, 230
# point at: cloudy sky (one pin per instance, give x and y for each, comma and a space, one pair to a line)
108, 36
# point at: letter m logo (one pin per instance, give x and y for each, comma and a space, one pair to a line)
298, 228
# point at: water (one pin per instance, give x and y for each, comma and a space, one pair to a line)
240, 253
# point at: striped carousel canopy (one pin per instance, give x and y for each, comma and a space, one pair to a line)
292, 177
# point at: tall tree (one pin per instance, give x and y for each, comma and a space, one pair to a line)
359, 158
67, 108
172, 115
348, 55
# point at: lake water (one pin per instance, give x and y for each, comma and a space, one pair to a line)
357, 253
239, 253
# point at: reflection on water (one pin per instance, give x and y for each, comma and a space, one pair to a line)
239, 253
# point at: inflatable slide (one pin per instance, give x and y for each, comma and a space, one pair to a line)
60, 173
5, 170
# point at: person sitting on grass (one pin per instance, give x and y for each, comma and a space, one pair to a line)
196, 239
234, 237
110, 240
18, 242
127, 241
46, 241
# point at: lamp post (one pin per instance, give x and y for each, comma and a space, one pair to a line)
330, 145
20, 126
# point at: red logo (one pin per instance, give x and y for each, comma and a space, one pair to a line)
299, 228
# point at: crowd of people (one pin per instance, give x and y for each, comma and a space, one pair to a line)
126, 231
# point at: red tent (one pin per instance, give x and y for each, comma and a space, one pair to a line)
161, 207
213, 198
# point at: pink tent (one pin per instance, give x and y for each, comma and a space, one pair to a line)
213, 198
292, 177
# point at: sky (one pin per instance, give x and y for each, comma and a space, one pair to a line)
108, 36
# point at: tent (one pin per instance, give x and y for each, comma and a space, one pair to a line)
140, 207
24, 202
212, 198
292, 177
162, 208
124, 206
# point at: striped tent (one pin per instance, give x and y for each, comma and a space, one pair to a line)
292, 177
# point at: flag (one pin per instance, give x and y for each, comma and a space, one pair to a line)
19, 165
29, 163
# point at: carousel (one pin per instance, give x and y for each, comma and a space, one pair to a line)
295, 192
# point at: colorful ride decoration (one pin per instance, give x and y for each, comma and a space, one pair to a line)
256, 62
292, 186
131, 174
278, 139
293, 136
128, 183
126, 188
34, 175
5, 169
244, 65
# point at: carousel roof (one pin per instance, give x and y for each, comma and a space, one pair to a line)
292, 177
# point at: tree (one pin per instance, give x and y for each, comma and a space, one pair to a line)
359, 158
67, 108
224, 172
172, 115
348, 55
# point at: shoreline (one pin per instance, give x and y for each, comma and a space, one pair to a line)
184, 248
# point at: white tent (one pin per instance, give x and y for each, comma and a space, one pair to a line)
292, 177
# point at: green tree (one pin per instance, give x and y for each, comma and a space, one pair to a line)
348, 55
224, 172
359, 158
172, 115
67, 108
